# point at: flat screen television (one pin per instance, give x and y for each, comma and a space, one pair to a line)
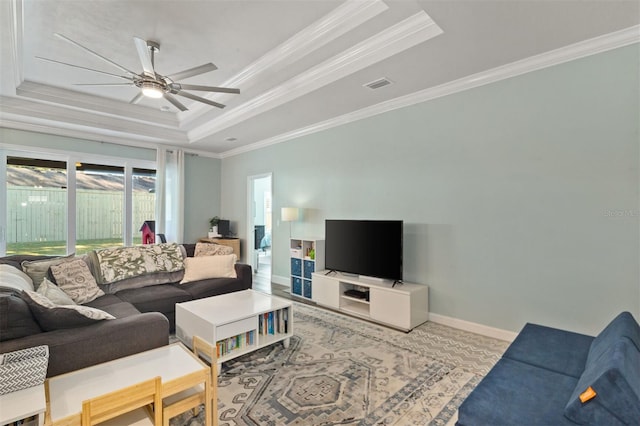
370, 248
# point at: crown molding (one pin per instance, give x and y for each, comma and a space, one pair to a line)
96, 104
26, 111
44, 127
414, 30
568, 53
339, 21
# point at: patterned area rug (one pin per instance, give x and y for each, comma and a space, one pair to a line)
340, 370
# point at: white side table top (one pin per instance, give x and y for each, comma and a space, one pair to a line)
22, 404
230, 307
67, 391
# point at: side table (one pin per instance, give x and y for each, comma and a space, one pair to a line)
23, 404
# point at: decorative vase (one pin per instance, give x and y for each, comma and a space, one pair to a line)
213, 233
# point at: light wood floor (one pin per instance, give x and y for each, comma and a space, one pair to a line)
262, 275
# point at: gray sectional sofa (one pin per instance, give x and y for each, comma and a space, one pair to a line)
549, 376
144, 318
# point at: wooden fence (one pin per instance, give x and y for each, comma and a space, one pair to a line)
39, 214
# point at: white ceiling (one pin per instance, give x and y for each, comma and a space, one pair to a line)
300, 64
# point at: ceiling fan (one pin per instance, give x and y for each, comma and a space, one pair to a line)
150, 83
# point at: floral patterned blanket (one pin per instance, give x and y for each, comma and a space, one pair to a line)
119, 263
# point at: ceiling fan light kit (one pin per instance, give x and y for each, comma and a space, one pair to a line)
150, 83
152, 89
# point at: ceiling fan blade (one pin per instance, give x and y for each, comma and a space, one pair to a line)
175, 102
200, 99
205, 88
193, 71
136, 98
97, 55
103, 84
145, 57
84, 68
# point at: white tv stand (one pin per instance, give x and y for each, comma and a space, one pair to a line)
403, 306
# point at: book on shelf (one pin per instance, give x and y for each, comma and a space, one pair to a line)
240, 341
274, 322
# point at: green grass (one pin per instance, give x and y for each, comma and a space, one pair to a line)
60, 247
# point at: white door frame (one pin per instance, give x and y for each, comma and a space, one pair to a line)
251, 208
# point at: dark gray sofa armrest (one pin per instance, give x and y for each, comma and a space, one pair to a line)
245, 275
75, 348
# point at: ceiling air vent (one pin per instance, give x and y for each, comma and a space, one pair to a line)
376, 84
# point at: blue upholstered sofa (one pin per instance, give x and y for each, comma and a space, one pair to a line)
549, 376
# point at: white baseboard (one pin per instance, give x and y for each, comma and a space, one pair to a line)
280, 280
473, 327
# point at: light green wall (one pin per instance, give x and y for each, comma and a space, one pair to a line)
202, 195
30, 140
520, 198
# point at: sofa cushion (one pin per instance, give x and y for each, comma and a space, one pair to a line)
159, 298
516, 393
203, 267
14, 280
614, 379
623, 325
556, 350
16, 319
103, 301
53, 317
75, 279
211, 287
54, 293
143, 281
114, 305
37, 269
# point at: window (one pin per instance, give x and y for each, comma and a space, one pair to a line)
61, 204
99, 206
36, 206
144, 200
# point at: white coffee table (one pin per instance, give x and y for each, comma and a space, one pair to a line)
237, 323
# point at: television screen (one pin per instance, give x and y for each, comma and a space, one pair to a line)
365, 247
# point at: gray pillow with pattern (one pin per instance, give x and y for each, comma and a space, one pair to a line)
75, 279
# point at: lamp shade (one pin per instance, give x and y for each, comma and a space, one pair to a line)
289, 214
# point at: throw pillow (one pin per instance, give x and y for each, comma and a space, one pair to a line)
37, 269
203, 267
75, 279
13, 279
211, 249
16, 319
54, 293
53, 317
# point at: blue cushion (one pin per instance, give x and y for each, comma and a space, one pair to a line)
516, 393
615, 377
622, 326
557, 350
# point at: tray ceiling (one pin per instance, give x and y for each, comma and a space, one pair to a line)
301, 65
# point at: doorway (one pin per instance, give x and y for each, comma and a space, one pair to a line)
260, 227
